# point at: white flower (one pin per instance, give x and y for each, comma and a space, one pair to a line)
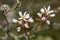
48, 11
14, 20
24, 17
45, 14
18, 29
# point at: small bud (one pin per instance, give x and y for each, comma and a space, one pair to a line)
48, 22
18, 29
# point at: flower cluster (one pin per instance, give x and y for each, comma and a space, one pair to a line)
45, 15
23, 20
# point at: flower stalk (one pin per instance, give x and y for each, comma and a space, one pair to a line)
26, 35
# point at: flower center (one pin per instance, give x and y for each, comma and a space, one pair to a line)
23, 17
46, 11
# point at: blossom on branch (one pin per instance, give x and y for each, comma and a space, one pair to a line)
23, 20
45, 15
25, 17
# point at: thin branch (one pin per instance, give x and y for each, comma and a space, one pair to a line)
16, 6
26, 35
7, 23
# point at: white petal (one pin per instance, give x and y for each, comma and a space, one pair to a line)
43, 18
24, 19
42, 10
26, 25
39, 14
52, 15
48, 22
51, 11
48, 8
44, 7
20, 13
19, 29
25, 13
19, 18
30, 20
27, 16
14, 20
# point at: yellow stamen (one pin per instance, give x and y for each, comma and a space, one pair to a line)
46, 11
22, 17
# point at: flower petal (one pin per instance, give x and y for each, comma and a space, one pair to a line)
27, 16
48, 22
25, 13
14, 20
19, 18
51, 11
24, 19
48, 8
20, 13
39, 14
45, 8
30, 20
26, 25
43, 18
19, 29
52, 15
42, 10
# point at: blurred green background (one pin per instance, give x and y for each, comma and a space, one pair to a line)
32, 7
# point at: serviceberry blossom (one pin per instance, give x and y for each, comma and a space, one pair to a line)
23, 16
24, 19
45, 15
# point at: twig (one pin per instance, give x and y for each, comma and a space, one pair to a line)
16, 6
7, 23
26, 35
35, 27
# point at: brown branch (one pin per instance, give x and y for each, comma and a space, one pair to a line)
7, 25
26, 35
